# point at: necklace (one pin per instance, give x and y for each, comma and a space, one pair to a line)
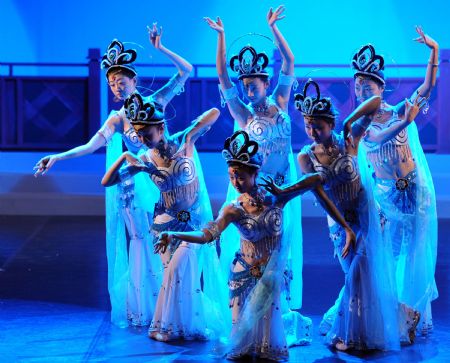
255, 201
381, 111
330, 150
263, 107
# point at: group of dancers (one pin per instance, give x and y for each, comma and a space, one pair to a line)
174, 268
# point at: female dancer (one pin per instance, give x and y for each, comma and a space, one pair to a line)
133, 278
256, 276
367, 314
183, 206
404, 188
266, 121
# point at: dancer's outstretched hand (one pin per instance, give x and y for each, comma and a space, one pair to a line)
274, 16
43, 165
425, 38
165, 238
350, 242
412, 109
155, 35
133, 160
216, 25
271, 187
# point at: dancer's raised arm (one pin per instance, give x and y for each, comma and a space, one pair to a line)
175, 85
282, 91
425, 88
237, 108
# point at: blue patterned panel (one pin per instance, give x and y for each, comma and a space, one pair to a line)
54, 112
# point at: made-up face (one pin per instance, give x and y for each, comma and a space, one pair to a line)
366, 87
318, 129
255, 89
121, 85
149, 135
242, 179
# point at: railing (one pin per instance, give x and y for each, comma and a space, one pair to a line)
56, 113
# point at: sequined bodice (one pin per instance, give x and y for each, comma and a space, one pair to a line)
178, 183
259, 228
398, 140
386, 157
273, 135
342, 180
181, 172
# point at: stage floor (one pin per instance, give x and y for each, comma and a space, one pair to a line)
54, 301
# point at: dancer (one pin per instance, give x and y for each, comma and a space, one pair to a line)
256, 276
404, 187
181, 309
368, 315
134, 277
266, 121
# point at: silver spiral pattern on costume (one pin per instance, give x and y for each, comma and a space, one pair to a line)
346, 169
370, 144
249, 228
162, 179
401, 137
273, 222
259, 129
284, 125
184, 171
132, 136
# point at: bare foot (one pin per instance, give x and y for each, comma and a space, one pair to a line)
162, 337
341, 346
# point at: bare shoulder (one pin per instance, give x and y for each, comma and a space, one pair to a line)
115, 120
305, 162
230, 211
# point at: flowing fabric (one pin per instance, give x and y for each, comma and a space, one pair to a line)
367, 315
116, 243
411, 224
214, 277
134, 276
186, 308
230, 237
261, 308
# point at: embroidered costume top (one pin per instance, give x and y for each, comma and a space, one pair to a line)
178, 206
342, 180
260, 234
273, 135
388, 154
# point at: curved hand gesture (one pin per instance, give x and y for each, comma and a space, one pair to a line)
216, 25
164, 240
43, 165
134, 161
412, 108
425, 39
271, 187
350, 242
154, 35
274, 16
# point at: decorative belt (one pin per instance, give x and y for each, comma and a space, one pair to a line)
400, 184
256, 270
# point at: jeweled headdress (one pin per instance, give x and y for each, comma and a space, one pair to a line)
143, 113
116, 57
366, 63
240, 149
249, 63
314, 106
